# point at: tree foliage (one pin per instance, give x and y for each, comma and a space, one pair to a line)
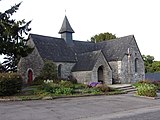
13, 44
49, 71
151, 65
103, 37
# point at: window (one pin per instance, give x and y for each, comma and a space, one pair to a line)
59, 70
136, 63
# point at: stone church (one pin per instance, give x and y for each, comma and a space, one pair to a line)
112, 61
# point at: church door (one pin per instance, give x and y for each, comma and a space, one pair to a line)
100, 74
30, 76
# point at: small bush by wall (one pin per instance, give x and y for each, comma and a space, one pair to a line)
10, 83
103, 88
48, 72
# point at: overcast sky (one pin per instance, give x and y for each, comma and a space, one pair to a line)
140, 18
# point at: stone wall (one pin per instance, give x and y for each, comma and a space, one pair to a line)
66, 68
33, 61
128, 72
124, 71
116, 70
83, 76
107, 72
92, 76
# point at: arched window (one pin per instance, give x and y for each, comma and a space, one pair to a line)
30, 76
59, 71
100, 74
136, 64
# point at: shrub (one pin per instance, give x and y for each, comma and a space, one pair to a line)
65, 83
145, 81
58, 89
49, 71
37, 81
10, 83
72, 79
93, 90
103, 87
157, 83
149, 90
64, 91
80, 86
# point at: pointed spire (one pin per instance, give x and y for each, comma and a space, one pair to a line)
66, 27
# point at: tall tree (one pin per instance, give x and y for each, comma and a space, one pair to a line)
13, 44
102, 37
151, 66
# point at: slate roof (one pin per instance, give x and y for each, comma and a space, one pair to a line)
115, 49
153, 76
52, 48
66, 27
83, 46
86, 61
57, 50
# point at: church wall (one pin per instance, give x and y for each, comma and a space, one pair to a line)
66, 68
91, 76
33, 61
83, 76
107, 72
124, 71
116, 70
128, 72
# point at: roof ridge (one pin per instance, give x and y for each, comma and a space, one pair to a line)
98, 51
43, 36
111, 40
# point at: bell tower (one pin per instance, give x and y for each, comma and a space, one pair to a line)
66, 32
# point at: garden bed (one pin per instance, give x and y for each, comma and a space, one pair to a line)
64, 89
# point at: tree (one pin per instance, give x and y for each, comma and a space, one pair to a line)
102, 37
12, 42
151, 65
49, 71
156, 66
2, 68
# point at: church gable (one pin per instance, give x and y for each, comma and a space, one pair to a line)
115, 49
92, 67
86, 61
51, 48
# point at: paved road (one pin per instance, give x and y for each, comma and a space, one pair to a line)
117, 107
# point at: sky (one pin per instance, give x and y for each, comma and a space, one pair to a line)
140, 18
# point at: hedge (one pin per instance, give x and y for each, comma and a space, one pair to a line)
10, 83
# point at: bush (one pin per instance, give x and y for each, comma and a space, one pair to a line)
157, 83
49, 71
64, 91
62, 88
145, 81
93, 90
65, 83
103, 87
72, 79
145, 89
10, 83
37, 81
